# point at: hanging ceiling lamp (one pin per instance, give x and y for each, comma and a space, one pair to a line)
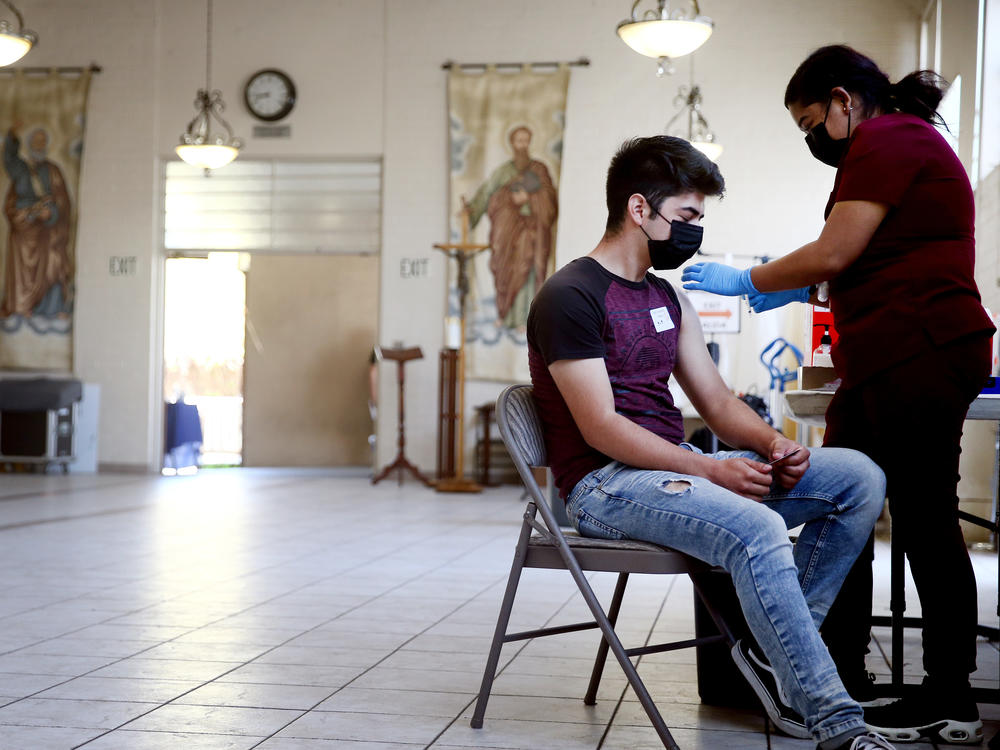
200, 146
664, 33
699, 134
14, 43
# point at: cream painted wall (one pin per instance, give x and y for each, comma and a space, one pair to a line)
370, 82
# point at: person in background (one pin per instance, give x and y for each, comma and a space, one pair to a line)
604, 338
898, 251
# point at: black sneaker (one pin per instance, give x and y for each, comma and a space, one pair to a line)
764, 682
866, 741
952, 720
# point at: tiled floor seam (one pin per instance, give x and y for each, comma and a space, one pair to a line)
306, 711
573, 595
649, 636
215, 622
72, 490
391, 653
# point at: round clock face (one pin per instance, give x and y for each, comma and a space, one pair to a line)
269, 94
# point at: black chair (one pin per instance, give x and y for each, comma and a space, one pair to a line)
552, 547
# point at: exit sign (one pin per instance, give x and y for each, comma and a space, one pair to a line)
121, 265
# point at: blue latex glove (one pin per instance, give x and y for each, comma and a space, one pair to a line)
718, 279
764, 301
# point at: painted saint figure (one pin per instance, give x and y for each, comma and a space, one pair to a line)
522, 205
38, 269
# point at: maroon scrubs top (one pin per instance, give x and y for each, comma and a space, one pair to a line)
913, 287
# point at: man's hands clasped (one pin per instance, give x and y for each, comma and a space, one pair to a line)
788, 471
754, 479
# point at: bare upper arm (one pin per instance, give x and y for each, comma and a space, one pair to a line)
695, 371
586, 389
848, 230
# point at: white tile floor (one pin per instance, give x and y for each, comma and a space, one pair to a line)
301, 610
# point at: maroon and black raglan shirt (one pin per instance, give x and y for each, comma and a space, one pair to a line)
584, 311
913, 287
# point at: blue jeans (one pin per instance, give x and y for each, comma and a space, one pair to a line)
784, 593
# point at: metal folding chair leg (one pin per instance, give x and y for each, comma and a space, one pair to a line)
720, 623
499, 635
590, 698
615, 644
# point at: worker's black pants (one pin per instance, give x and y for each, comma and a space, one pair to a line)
909, 419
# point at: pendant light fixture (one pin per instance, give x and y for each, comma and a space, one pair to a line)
699, 134
200, 145
14, 43
664, 33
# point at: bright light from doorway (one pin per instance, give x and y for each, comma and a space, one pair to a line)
204, 323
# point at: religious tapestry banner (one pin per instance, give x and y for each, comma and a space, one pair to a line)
506, 153
42, 120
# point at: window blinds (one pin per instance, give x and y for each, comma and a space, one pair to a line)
276, 206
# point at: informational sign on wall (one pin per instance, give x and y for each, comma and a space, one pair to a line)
717, 314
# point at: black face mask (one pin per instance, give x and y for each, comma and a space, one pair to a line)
828, 150
685, 239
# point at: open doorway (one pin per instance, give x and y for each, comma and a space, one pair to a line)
203, 348
297, 394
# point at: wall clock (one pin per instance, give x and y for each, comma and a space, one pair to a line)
269, 94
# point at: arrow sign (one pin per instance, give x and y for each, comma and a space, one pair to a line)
717, 314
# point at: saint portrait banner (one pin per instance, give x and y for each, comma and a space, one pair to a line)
42, 119
506, 153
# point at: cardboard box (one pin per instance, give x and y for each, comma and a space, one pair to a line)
816, 378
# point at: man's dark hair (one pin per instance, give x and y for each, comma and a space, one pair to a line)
657, 167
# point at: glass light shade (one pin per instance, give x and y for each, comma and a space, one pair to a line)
664, 38
13, 47
206, 155
711, 149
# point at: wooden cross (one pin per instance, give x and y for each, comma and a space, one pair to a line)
462, 252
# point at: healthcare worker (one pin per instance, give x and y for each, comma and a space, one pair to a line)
898, 251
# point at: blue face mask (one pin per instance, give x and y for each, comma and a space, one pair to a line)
685, 240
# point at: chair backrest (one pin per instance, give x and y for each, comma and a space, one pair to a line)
520, 426
521, 431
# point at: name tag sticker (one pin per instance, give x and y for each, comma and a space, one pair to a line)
661, 319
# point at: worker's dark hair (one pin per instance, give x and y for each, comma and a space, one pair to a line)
918, 94
657, 168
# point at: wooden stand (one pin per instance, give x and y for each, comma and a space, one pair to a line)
447, 412
462, 252
401, 357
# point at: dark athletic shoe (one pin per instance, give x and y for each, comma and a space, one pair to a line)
764, 682
866, 741
952, 720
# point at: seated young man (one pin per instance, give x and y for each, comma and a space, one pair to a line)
604, 337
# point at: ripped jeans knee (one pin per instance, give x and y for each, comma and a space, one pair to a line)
677, 486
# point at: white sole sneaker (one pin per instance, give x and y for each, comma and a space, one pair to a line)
948, 731
765, 685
